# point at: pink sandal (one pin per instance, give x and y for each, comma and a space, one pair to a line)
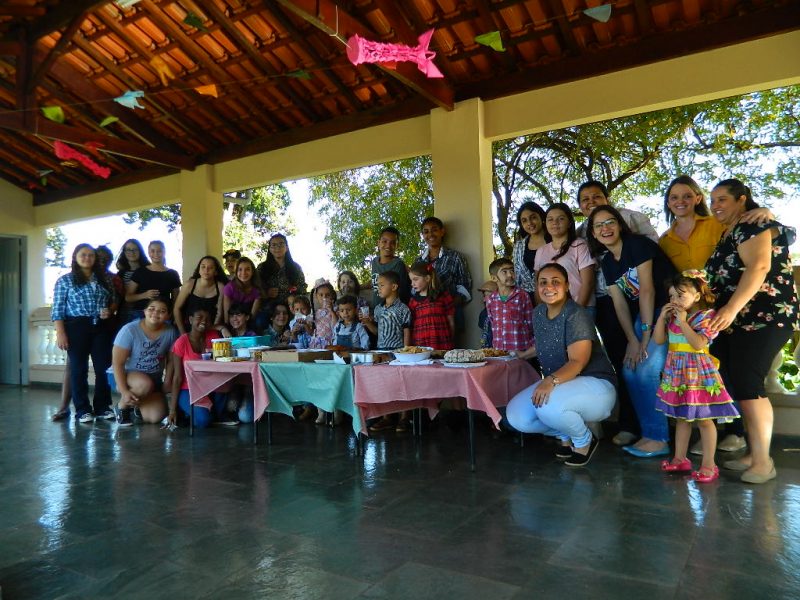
704, 476
683, 466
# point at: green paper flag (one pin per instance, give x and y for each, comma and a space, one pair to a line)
491, 39
108, 121
599, 13
299, 74
54, 113
192, 20
43, 181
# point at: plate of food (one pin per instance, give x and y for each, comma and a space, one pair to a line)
494, 354
412, 354
462, 358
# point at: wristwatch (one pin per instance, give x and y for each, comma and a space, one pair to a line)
555, 379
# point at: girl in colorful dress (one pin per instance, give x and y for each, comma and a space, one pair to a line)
432, 309
691, 387
324, 315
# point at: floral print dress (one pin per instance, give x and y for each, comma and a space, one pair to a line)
775, 304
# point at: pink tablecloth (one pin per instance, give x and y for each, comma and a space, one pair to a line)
384, 389
206, 376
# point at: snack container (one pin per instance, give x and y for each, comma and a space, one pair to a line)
221, 348
362, 358
410, 357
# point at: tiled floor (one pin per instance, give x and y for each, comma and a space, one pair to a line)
96, 511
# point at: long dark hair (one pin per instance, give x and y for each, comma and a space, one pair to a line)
701, 208
254, 281
78, 276
219, 274
424, 268
352, 276
595, 246
572, 234
557, 267
122, 261
534, 207
737, 189
271, 265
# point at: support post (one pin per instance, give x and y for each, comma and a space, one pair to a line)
201, 216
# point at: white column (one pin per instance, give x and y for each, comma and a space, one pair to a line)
201, 216
462, 188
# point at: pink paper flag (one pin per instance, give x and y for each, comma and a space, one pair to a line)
360, 50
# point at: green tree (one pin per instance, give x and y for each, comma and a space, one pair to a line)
358, 203
56, 247
250, 218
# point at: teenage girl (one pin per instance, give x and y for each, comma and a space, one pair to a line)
202, 290
243, 289
691, 387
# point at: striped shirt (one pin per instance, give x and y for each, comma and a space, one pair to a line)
512, 320
72, 300
392, 321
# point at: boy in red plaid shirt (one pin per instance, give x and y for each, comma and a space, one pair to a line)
510, 309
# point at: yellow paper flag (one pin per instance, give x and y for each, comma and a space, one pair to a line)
163, 70
207, 90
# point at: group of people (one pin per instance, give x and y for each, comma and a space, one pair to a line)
677, 317
691, 322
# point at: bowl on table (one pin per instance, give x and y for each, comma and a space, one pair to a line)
412, 354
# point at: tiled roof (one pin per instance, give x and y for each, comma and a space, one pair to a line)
282, 75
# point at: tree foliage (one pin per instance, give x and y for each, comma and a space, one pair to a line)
56, 247
250, 218
358, 203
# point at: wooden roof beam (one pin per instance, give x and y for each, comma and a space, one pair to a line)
80, 137
55, 51
62, 15
564, 27
325, 15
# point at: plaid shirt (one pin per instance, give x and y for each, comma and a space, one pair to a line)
429, 317
72, 300
392, 320
452, 269
512, 320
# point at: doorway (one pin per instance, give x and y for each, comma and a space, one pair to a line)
12, 304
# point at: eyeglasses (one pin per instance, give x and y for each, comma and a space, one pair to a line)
606, 223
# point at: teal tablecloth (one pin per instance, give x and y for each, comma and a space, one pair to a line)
327, 386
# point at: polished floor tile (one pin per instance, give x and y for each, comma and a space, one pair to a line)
91, 511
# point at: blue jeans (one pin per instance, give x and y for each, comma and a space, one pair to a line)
570, 406
642, 383
201, 415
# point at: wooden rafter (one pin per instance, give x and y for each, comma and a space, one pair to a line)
44, 66
115, 181
62, 15
567, 35
325, 14
48, 129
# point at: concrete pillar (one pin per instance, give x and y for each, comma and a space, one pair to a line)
201, 216
462, 189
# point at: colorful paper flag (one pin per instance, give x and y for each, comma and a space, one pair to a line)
207, 90
130, 99
192, 20
162, 69
299, 74
54, 113
492, 40
44, 172
108, 121
65, 152
599, 13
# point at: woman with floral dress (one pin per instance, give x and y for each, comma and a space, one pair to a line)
751, 276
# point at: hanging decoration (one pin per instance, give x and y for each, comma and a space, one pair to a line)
491, 39
599, 13
162, 69
130, 99
299, 74
108, 121
360, 51
65, 152
43, 181
192, 20
126, 3
43, 172
54, 113
207, 90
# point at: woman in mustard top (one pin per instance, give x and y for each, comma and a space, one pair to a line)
689, 242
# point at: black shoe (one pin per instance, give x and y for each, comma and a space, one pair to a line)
563, 452
580, 460
125, 417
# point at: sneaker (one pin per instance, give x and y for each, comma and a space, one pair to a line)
86, 418
580, 460
732, 443
61, 415
106, 416
125, 417
137, 415
228, 418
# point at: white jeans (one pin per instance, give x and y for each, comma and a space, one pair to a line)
570, 406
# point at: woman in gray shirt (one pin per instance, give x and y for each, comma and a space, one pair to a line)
579, 384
